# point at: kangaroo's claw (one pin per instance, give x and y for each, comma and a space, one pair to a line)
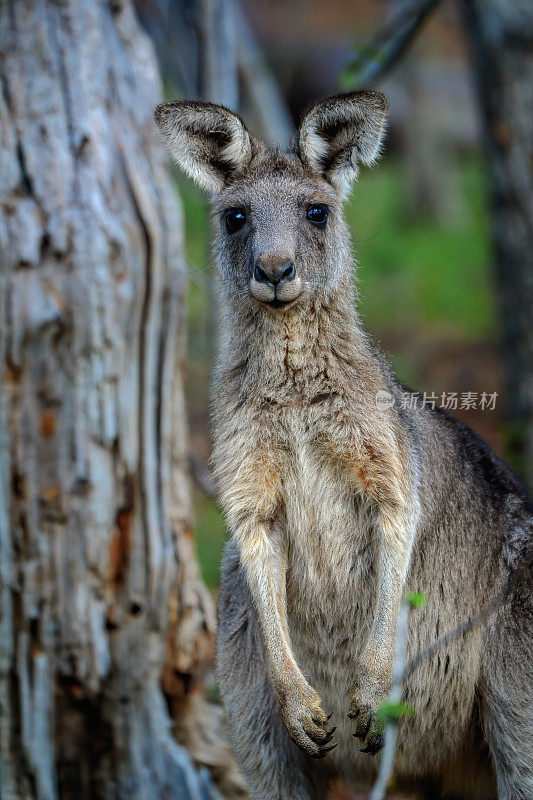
325, 750
374, 744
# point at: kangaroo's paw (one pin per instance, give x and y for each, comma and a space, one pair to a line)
306, 722
367, 693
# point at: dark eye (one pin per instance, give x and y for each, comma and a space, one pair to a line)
317, 214
235, 219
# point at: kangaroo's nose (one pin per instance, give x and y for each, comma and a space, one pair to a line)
275, 275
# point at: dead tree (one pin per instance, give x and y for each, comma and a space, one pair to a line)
501, 35
101, 604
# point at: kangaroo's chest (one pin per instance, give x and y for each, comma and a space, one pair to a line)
330, 578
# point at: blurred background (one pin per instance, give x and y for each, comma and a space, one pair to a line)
110, 538
420, 221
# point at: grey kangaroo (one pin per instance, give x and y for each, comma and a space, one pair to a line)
338, 505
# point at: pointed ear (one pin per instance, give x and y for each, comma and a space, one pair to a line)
209, 142
339, 133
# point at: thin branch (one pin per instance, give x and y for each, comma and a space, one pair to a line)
401, 671
389, 44
396, 693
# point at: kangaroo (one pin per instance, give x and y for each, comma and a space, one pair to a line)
338, 504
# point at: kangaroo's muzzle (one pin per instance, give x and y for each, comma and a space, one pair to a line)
275, 280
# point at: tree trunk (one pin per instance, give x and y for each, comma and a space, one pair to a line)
501, 33
261, 97
100, 594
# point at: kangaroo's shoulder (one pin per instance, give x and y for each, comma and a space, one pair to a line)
471, 448
464, 466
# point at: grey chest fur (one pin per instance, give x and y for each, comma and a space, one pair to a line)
331, 577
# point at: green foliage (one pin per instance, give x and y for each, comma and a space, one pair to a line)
392, 712
212, 693
210, 534
367, 53
416, 599
419, 275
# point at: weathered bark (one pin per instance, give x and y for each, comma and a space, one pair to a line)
501, 33
100, 594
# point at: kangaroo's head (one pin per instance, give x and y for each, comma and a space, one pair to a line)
281, 238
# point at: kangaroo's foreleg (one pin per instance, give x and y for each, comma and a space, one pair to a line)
273, 766
252, 503
377, 467
372, 682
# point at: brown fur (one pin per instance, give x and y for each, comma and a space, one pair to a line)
338, 508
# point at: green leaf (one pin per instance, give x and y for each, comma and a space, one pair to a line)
392, 712
416, 599
367, 54
348, 79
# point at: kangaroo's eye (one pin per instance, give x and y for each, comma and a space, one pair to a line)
235, 219
317, 214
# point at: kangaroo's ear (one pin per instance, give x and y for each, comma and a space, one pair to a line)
209, 142
339, 133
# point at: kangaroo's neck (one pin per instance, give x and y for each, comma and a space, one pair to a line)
307, 348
